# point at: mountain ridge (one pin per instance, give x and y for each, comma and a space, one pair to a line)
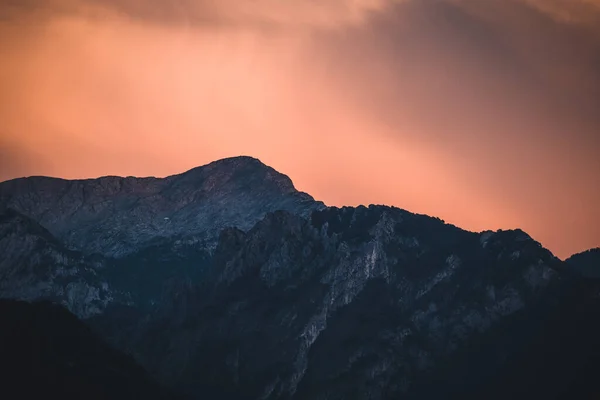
150, 185
116, 216
279, 297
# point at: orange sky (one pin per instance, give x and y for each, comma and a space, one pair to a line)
482, 113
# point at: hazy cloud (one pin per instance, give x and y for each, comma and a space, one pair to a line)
235, 13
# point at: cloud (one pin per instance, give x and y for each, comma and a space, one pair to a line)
509, 92
310, 13
576, 12
254, 14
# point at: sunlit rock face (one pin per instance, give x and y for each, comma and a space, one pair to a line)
225, 282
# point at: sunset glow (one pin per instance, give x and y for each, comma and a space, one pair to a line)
485, 116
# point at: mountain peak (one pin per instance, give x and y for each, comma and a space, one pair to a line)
230, 164
115, 216
241, 168
241, 160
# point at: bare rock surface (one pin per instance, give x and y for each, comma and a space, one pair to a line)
116, 216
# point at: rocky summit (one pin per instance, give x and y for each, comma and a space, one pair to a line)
116, 216
225, 282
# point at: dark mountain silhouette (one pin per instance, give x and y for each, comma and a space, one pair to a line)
252, 290
46, 352
375, 303
586, 263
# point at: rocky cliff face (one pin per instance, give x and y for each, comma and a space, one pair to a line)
34, 265
352, 303
252, 290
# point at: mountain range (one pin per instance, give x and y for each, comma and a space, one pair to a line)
225, 282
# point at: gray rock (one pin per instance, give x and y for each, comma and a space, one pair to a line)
36, 266
116, 216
